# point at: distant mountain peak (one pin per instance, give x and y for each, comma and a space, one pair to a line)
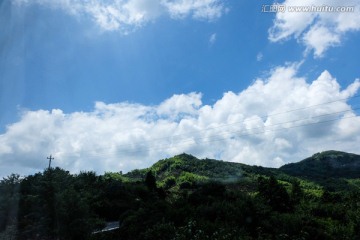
327, 164
186, 156
331, 153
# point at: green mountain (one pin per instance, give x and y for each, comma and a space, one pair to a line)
328, 164
329, 169
210, 169
187, 170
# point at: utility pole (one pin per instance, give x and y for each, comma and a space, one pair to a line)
50, 158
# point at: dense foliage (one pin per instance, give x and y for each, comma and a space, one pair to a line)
327, 164
178, 198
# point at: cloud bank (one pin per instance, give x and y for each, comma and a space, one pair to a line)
278, 119
317, 28
127, 15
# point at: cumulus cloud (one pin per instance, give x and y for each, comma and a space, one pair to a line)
278, 119
127, 15
318, 24
180, 105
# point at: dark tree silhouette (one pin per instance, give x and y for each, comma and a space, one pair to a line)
150, 180
274, 194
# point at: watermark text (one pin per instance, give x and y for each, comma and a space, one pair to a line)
274, 8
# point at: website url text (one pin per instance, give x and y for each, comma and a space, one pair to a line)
274, 8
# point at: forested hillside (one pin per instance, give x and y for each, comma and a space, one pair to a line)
186, 198
325, 166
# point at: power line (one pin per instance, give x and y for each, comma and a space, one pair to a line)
316, 105
242, 134
261, 117
249, 120
170, 138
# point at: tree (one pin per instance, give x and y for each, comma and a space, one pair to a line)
274, 194
296, 192
73, 215
9, 200
170, 182
150, 180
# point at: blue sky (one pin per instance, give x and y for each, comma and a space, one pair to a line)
182, 56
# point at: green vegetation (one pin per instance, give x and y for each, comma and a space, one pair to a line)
186, 198
325, 165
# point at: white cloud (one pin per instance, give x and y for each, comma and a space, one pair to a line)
320, 38
180, 105
259, 57
127, 15
200, 9
256, 126
212, 38
317, 30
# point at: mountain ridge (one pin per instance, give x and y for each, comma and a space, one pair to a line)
330, 169
334, 164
